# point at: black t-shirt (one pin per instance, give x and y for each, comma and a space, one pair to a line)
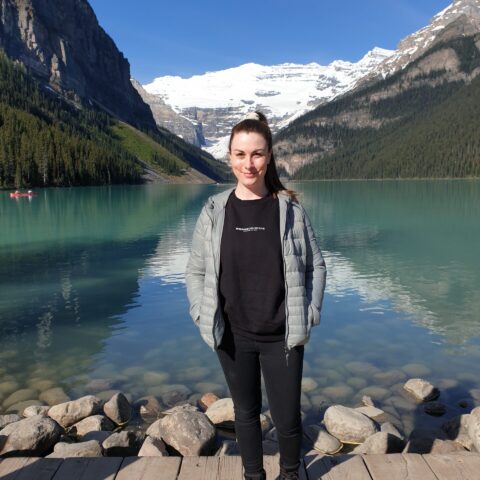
252, 288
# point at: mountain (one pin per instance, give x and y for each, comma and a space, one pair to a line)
413, 119
442, 27
213, 102
61, 42
69, 112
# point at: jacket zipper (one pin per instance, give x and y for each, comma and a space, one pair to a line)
217, 264
287, 352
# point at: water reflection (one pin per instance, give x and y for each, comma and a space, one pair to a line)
92, 287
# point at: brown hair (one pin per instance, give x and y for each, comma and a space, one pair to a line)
272, 180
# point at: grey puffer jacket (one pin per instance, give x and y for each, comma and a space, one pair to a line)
304, 271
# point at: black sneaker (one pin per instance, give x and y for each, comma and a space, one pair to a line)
256, 476
288, 474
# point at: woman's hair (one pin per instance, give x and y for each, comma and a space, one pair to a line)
272, 180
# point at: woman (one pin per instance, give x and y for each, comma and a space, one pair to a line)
255, 281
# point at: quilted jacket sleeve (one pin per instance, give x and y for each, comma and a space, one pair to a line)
195, 271
315, 272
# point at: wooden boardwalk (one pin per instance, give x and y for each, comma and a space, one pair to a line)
315, 466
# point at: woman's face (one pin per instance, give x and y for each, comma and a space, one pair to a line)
249, 157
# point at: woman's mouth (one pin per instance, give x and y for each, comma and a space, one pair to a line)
249, 174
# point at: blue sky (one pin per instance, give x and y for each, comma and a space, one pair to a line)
189, 37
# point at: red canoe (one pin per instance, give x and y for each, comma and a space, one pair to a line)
21, 194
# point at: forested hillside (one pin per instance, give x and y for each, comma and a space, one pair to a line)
413, 124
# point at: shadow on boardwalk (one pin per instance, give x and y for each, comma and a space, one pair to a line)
319, 467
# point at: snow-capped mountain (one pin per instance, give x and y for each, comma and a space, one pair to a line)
215, 101
439, 28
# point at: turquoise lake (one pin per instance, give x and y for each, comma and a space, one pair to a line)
92, 294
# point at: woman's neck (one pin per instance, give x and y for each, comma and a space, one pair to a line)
245, 193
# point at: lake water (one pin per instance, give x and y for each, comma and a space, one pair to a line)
92, 289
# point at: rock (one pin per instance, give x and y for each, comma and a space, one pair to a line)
121, 444
40, 384
308, 384
432, 445
21, 406
33, 410
118, 409
416, 369
436, 409
348, 425
68, 413
370, 411
206, 400
221, 412
475, 412
367, 401
466, 403
272, 435
322, 440
473, 428
338, 392
32, 436
229, 447
377, 393
421, 389
184, 407
54, 396
270, 448
265, 423
96, 385
380, 442
190, 433
8, 387
155, 378
174, 394
389, 378
362, 368
457, 429
388, 427
19, 396
100, 436
153, 447
94, 423
7, 419
91, 448
155, 429
148, 406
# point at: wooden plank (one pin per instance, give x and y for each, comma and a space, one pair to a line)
398, 466
199, 468
88, 468
454, 466
39, 468
335, 467
272, 466
10, 467
230, 467
149, 468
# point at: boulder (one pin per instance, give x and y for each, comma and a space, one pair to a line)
348, 425
322, 440
190, 433
421, 389
153, 447
33, 410
457, 429
7, 419
95, 423
221, 412
206, 400
54, 396
91, 448
122, 444
32, 436
68, 413
118, 409
380, 442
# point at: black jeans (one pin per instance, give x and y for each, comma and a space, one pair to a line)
242, 359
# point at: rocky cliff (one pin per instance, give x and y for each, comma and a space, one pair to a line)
62, 44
